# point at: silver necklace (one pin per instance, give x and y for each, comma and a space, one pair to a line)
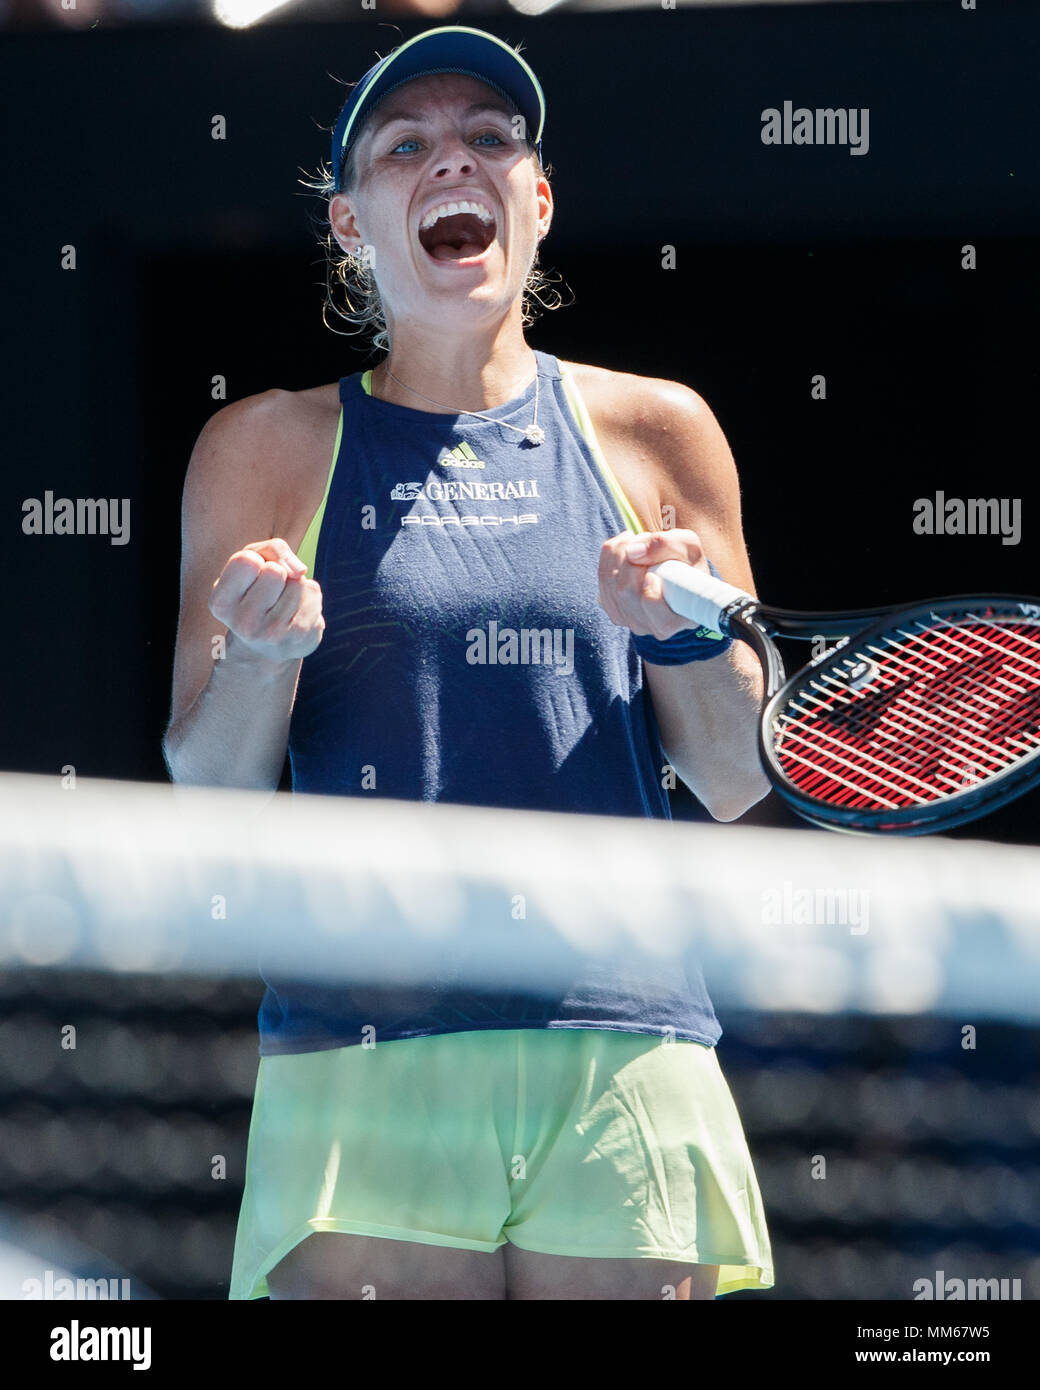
534, 432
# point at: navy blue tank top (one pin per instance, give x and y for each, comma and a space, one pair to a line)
466, 659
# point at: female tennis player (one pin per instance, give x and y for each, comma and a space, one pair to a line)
458, 609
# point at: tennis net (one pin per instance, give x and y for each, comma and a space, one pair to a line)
879, 1001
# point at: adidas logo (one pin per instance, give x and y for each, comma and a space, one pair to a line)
462, 456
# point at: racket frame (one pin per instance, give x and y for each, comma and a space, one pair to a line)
757, 624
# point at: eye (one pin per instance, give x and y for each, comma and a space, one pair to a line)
484, 135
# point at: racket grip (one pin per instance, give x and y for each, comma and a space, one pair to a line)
694, 595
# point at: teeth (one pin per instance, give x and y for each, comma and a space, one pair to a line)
452, 209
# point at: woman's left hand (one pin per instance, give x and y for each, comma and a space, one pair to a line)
634, 599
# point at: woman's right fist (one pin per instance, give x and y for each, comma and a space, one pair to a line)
263, 598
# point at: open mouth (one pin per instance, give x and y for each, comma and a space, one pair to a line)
458, 236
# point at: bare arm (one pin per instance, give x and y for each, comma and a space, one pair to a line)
247, 616
707, 711
236, 731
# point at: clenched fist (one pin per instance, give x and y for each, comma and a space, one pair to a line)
633, 598
263, 598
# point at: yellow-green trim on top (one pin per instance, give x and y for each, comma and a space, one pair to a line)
309, 545
584, 421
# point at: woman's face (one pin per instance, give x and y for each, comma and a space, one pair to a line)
440, 140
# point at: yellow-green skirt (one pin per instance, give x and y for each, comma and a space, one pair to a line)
582, 1142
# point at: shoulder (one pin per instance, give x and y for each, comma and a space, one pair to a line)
260, 464
667, 420
641, 403
270, 443
273, 416
670, 453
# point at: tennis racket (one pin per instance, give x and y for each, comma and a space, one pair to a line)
925, 717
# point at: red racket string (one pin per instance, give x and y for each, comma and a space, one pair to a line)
910, 744
877, 772
935, 719
849, 748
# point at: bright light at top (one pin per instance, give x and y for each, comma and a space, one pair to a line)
240, 14
534, 7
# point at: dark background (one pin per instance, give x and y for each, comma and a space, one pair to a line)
199, 257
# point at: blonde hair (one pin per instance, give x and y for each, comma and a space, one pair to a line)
362, 305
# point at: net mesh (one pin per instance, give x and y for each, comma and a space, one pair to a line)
878, 1000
